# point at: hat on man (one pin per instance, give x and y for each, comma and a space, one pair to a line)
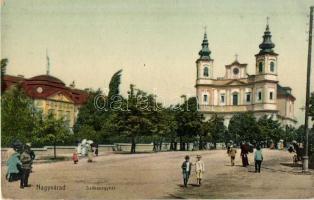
28, 144
198, 156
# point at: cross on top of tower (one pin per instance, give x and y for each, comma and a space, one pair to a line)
267, 20
236, 56
205, 29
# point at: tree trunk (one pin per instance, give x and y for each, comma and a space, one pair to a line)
160, 144
133, 145
200, 145
181, 144
171, 145
154, 146
54, 150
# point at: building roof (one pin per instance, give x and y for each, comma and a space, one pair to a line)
236, 62
49, 86
266, 47
46, 78
284, 91
205, 52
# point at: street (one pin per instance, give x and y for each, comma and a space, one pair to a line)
158, 175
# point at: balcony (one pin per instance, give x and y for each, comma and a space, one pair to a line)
226, 109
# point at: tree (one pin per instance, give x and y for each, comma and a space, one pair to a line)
50, 130
90, 114
243, 127
4, 63
270, 129
17, 116
114, 86
95, 116
189, 121
133, 118
217, 129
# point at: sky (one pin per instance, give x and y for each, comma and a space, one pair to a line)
155, 43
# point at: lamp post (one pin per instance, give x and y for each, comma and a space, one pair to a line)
307, 100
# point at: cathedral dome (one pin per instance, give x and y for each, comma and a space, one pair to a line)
47, 78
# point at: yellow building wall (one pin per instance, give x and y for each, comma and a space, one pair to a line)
60, 106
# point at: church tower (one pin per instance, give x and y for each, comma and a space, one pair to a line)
266, 59
265, 89
204, 63
204, 75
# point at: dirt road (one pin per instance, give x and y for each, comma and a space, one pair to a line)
158, 175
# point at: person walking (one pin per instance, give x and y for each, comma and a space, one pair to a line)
186, 170
90, 153
258, 158
14, 166
75, 158
26, 161
232, 153
199, 169
31, 153
96, 149
244, 152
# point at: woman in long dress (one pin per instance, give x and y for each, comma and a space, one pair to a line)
90, 153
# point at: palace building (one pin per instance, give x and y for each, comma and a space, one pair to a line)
238, 91
50, 95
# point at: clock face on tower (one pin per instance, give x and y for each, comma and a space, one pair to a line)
236, 71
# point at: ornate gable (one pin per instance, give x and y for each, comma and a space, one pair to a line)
61, 96
236, 82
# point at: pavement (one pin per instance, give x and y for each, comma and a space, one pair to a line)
158, 176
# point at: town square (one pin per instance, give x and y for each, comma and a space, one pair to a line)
157, 100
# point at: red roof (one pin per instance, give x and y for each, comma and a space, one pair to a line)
44, 86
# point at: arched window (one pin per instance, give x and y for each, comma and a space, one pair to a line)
205, 98
206, 71
260, 67
235, 99
272, 66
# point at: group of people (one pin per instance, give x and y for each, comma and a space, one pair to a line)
87, 147
20, 160
245, 150
187, 168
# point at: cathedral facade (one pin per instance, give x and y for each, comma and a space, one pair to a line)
238, 91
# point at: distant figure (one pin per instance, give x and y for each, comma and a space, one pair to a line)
96, 149
244, 152
14, 166
258, 158
199, 169
232, 153
186, 170
90, 153
26, 161
31, 153
75, 158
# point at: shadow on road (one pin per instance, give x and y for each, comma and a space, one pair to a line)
291, 164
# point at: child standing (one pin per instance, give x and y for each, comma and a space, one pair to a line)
232, 153
186, 170
199, 168
258, 158
75, 158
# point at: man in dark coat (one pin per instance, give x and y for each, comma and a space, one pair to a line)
26, 161
244, 152
186, 170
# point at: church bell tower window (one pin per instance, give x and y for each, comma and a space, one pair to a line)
206, 74
272, 66
205, 98
260, 67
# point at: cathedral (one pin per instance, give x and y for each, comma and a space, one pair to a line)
239, 91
